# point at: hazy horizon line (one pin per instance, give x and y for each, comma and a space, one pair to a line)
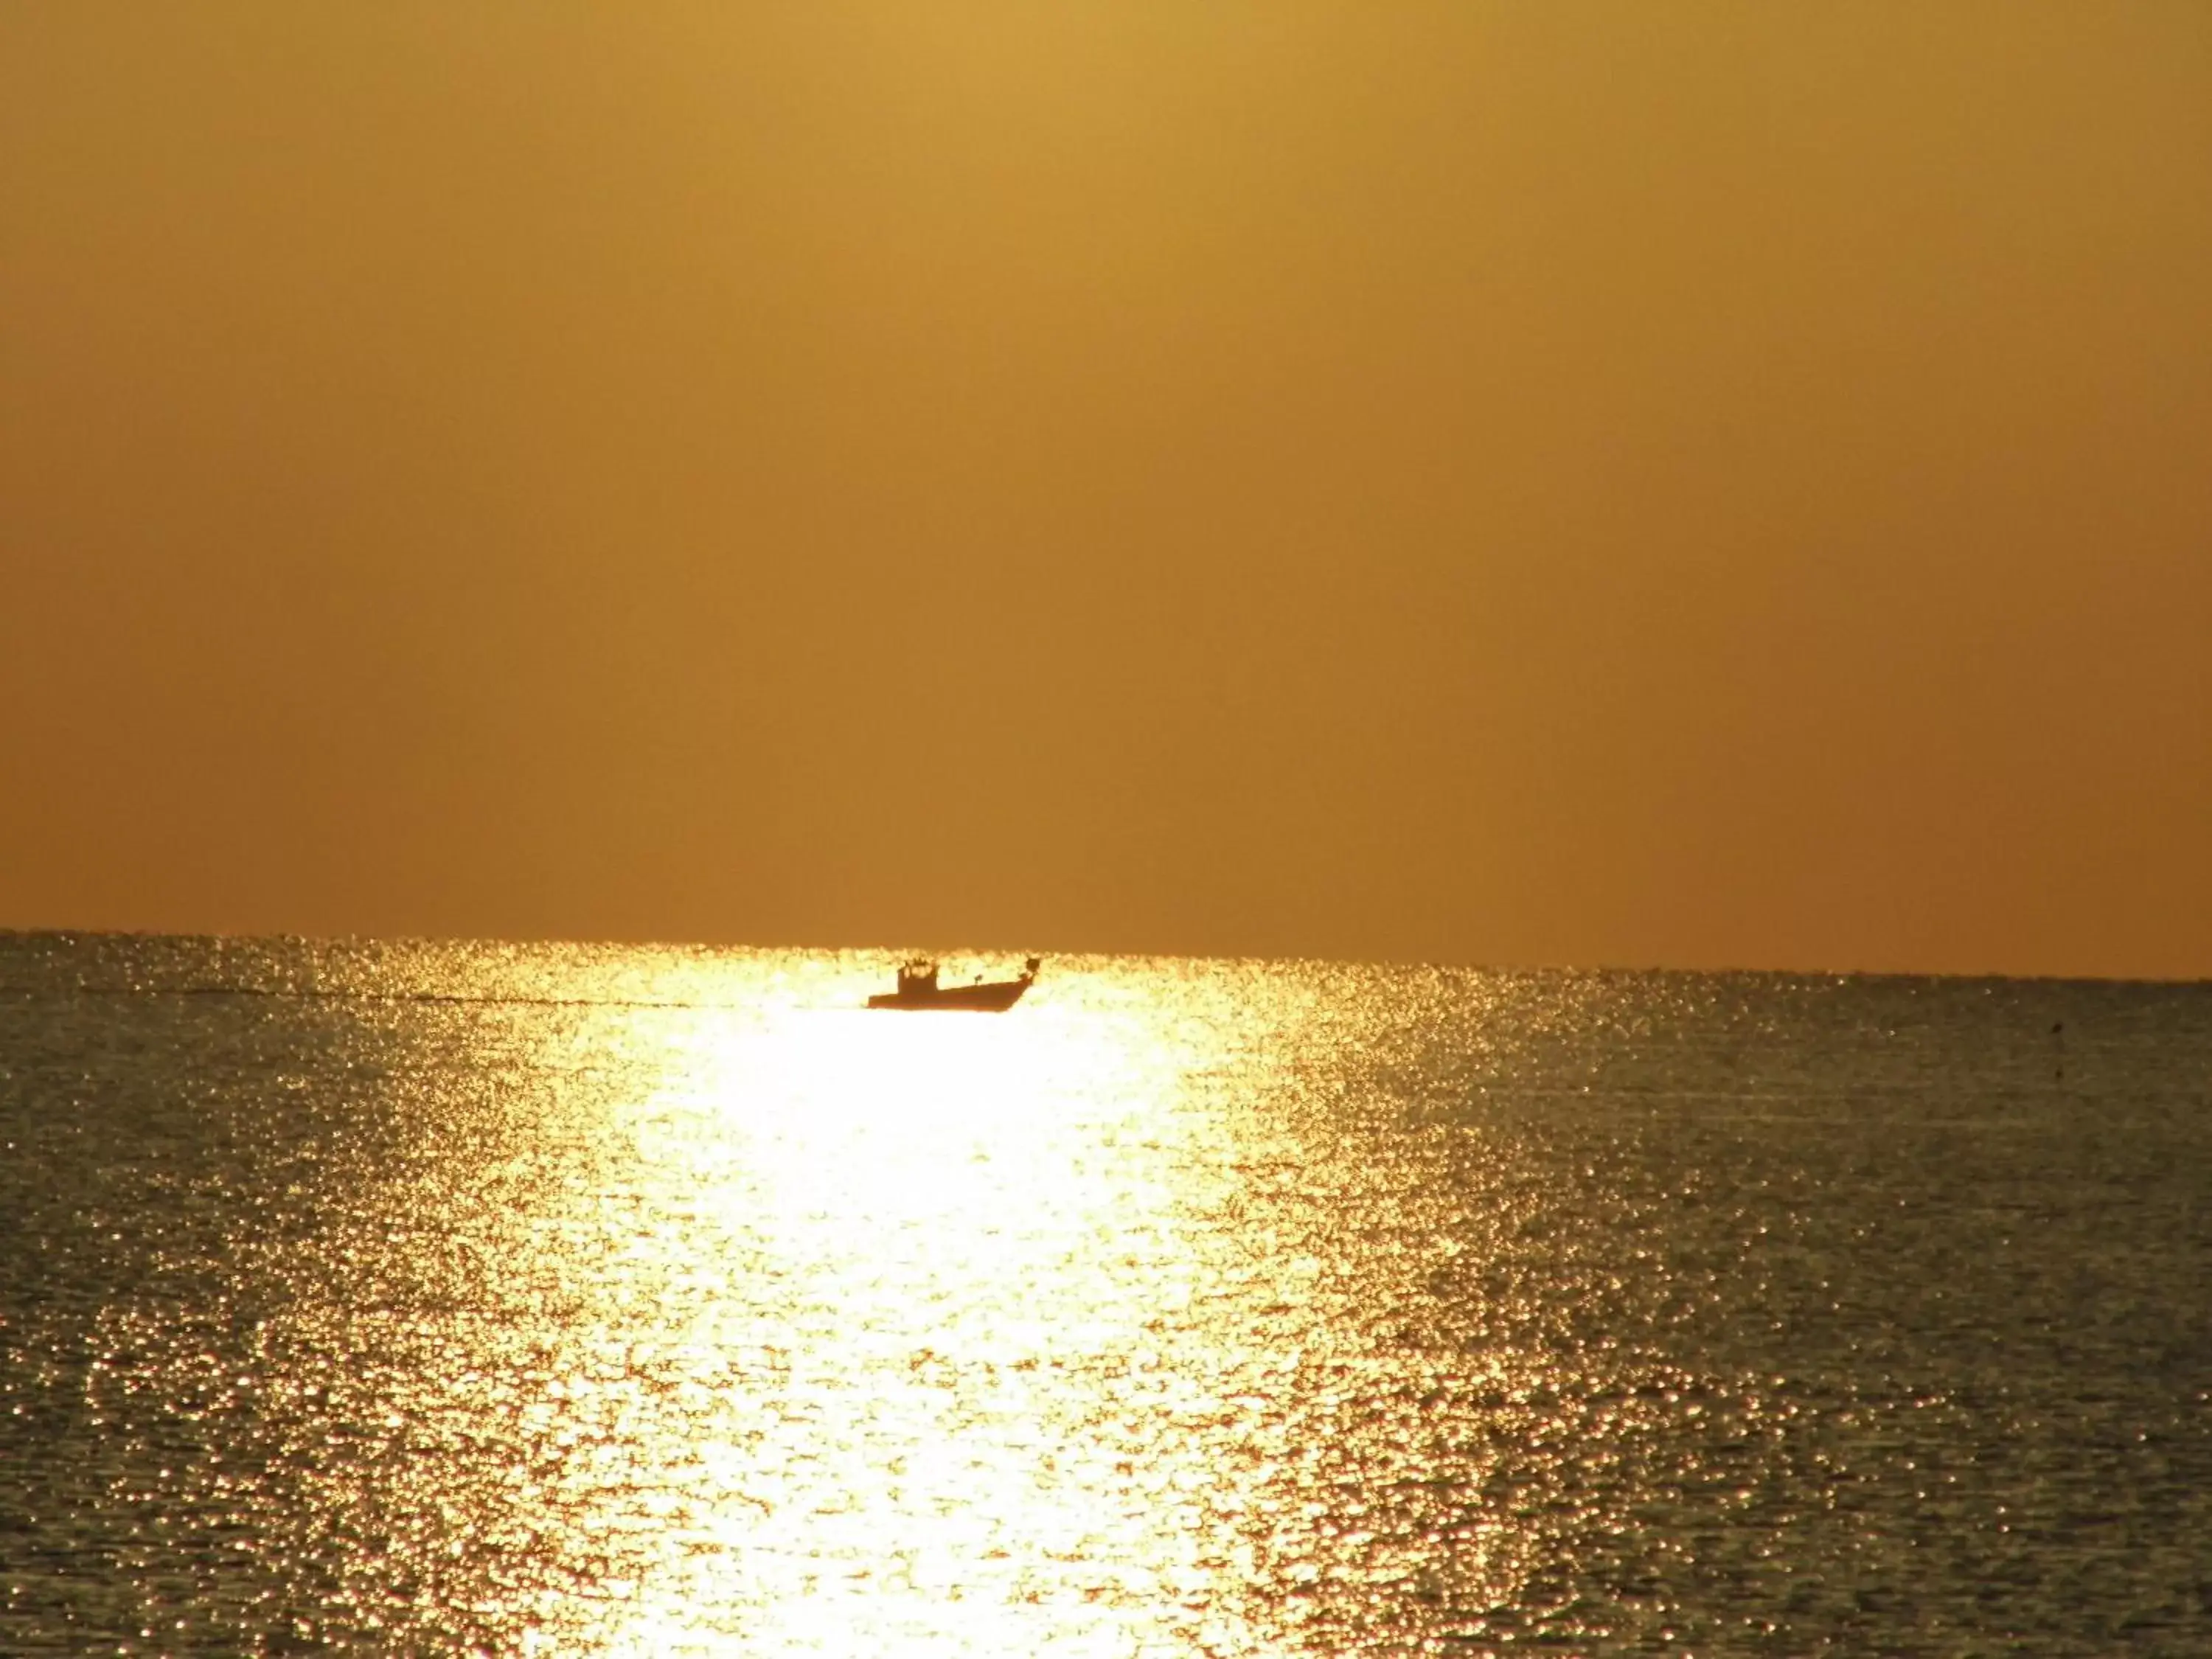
945, 952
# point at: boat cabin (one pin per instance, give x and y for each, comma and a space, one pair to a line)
917, 977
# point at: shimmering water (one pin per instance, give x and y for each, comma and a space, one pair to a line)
428, 1299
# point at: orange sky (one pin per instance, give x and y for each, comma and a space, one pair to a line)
1701, 484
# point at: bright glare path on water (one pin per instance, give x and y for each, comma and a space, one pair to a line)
936, 1272
425, 1299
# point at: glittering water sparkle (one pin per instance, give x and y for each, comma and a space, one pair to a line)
576, 1301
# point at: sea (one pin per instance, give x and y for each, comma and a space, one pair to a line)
431, 1298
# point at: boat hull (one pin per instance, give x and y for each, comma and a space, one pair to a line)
994, 998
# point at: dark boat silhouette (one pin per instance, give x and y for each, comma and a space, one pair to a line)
918, 988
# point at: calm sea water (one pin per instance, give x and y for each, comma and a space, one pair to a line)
580, 1301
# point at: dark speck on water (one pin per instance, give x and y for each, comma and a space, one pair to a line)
513, 1299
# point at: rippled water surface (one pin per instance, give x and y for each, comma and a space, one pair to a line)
577, 1301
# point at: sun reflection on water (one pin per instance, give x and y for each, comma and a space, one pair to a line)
944, 1245
730, 1318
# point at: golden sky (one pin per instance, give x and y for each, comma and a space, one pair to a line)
1702, 484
